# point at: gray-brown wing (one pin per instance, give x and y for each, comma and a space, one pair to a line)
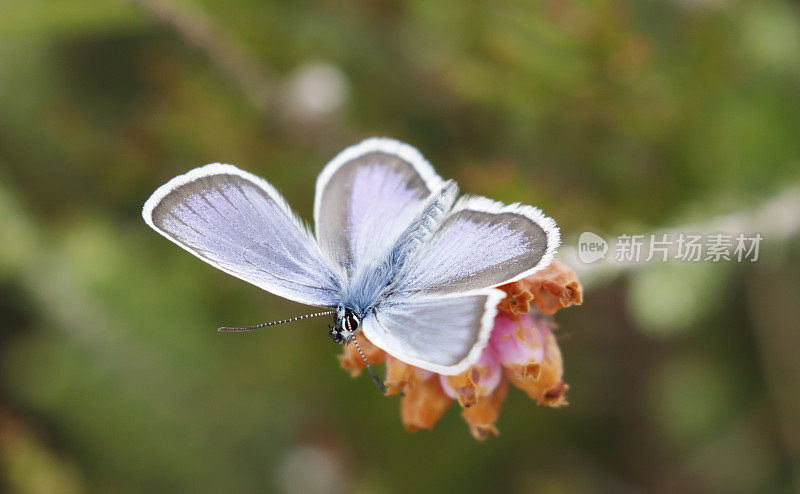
479, 244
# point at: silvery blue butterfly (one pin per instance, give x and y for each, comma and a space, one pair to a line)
396, 255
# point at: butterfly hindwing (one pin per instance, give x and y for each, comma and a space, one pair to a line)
239, 223
443, 334
479, 244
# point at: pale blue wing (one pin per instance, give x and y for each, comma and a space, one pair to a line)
478, 244
239, 223
367, 196
445, 335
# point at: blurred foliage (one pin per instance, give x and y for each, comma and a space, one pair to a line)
612, 116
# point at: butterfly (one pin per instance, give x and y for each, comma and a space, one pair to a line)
395, 255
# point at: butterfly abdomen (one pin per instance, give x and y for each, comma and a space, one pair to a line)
422, 227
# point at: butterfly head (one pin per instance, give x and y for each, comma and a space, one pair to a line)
348, 323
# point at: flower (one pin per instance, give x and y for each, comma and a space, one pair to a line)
522, 351
531, 359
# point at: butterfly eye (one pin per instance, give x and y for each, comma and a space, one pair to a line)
351, 321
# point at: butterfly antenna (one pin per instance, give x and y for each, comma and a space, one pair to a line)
229, 329
369, 368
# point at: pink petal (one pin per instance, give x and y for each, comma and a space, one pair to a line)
518, 342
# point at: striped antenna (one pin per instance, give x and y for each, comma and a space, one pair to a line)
380, 384
228, 329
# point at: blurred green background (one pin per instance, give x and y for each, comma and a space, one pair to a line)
614, 117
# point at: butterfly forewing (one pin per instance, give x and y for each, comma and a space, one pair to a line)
238, 223
367, 196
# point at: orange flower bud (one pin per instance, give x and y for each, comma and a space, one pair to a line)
483, 414
517, 301
550, 289
399, 375
423, 404
351, 360
479, 380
